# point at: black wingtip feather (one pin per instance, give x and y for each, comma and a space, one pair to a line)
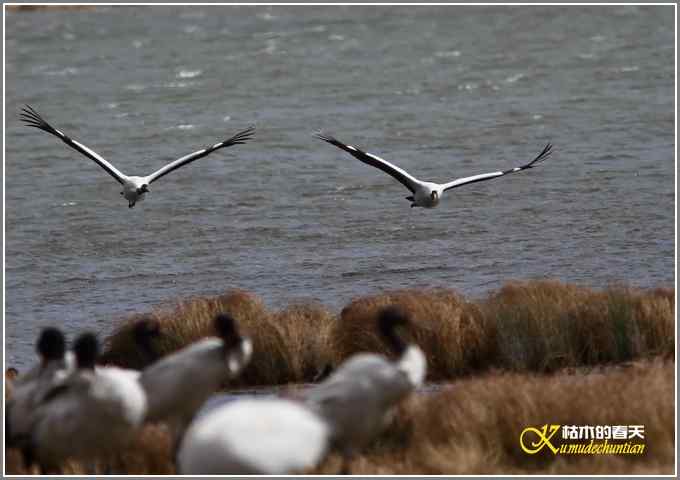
324, 137
242, 136
330, 139
31, 118
352, 150
541, 156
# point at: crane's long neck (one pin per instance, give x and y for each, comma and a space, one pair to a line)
394, 341
239, 356
144, 332
411, 358
414, 364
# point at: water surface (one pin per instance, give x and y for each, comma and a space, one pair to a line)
441, 91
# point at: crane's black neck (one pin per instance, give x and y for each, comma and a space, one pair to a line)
144, 332
226, 329
51, 344
389, 319
86, 349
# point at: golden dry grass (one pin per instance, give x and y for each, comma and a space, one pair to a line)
472, 426
306, 330
149, 453
283, 349
530, 353
450, 330
538, 325
187, 321
544, 325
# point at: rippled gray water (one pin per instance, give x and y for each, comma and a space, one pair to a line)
441, 91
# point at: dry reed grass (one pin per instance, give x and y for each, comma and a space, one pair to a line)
596, 341
472, 426
450, 330
148, 454
539, 325
283, 349
187, 321
306, 329
545, 325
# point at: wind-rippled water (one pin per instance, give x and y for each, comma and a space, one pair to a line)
441, 91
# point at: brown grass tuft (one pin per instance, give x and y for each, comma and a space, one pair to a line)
545, 325
120, 348
270, 361
531, 323
538, 325
149, 453
306, 330
181, 323
473, 426
187, 321
288, 345
448, 328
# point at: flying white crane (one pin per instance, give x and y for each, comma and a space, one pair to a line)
425, 194
134, 187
